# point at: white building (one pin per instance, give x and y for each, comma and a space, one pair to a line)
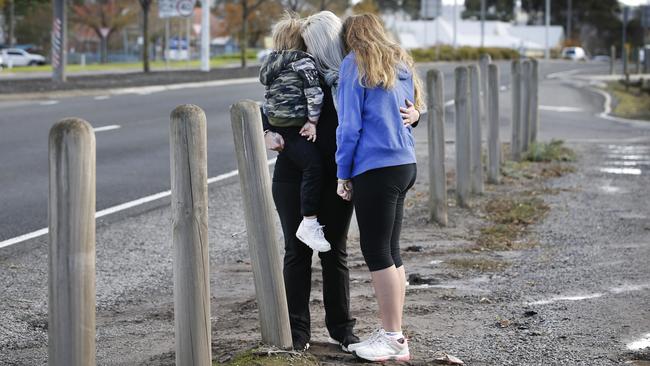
425, 34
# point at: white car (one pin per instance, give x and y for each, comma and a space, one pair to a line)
18, 57
574, 53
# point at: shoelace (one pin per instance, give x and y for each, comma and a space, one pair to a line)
319, 231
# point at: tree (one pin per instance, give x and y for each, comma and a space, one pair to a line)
410, 7
104, 15
145, 6
366, 6
497, 9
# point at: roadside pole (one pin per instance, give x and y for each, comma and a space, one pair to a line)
166, 51
612, 60
260, 223
525, 109
191, 261
205, 35
547, 16
494, 143
71, 221
534, 100
462, 137
436, 131
483, 10
515, 142
59, 41
476, 164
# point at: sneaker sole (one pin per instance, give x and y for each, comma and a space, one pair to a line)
384, 358
302, 239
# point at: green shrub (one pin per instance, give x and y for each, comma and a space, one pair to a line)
448, 53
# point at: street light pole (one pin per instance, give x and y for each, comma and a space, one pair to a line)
455, 25
547, 51
205, 35
482, 23
569, 19
59, 40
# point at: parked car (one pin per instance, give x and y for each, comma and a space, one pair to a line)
574, 53
18, 57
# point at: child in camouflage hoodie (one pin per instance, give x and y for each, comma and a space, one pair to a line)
293, 104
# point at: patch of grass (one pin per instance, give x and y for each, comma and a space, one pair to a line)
256, 357
480, 264
548, 152
631, 103
215, 62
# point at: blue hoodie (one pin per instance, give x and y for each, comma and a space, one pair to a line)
371, 133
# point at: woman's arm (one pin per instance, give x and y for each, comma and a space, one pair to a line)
350, 106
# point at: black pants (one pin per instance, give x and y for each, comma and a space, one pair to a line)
379, 203
305, 156
335, 214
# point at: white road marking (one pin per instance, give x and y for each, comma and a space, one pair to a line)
49, 102
118, 208
624, 171
640, 344
146, 90
106, 128
102, 97
566, 298
559, 108
562, 74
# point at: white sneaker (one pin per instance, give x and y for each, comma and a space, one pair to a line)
311, 233
384, 348
353, 346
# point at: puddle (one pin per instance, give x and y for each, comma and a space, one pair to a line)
621, 171
566, 298
465, 286
640, 344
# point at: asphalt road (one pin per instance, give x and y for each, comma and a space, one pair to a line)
132, 160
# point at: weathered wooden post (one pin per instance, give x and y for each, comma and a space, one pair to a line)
189, 181
612, 60
646, 60
260, 227
462, 137
436, 131
638, 60
494, 143
71, 220
525, 109
484, 63
515, 142
534, 100
476, 164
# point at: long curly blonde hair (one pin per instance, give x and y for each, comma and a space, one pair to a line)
377, 54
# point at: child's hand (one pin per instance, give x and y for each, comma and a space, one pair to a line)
309, 131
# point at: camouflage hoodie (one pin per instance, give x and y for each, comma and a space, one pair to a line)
293, 91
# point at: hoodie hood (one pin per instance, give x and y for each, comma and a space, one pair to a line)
278, 62
403, 72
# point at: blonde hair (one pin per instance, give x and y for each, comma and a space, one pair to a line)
321, 33
378, 56
286, 33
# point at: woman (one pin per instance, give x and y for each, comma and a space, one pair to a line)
376, 155
322, 35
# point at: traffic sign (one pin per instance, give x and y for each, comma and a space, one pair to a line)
175, 8
430, 9
185, 7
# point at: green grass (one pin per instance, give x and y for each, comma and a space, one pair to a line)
448, 53
255, 358
549, 152
632, 103
135, 66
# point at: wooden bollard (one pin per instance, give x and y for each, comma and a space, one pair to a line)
612, 60
71, 220
515, 141
189, 181
534, 101
476, 164
484, 62
260, 226
436, 131
525, 108
494, 142
463, 183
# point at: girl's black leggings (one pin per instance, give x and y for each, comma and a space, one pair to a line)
379, 203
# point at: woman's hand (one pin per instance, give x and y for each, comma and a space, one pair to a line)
273, 141
410, 115
344, 189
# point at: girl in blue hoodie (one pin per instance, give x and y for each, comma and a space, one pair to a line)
376, 155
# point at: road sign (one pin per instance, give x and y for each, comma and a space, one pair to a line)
185, 7
175, 8
430, 9
104, 32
